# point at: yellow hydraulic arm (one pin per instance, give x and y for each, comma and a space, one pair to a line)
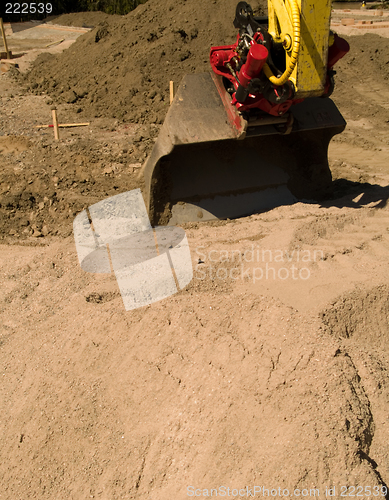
303, 28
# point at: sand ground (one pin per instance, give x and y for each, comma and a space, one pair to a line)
270, 368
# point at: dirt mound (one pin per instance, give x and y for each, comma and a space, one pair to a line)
370, 52
122, 68
363, 315
83, 19
204, 390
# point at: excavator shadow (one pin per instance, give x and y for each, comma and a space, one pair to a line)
345, 193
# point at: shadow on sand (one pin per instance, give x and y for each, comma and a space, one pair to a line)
346, 193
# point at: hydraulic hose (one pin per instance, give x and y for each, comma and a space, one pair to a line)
295, 49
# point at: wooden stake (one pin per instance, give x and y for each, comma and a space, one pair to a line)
4, 39
9, 61
171, 91
55, 124
64, 125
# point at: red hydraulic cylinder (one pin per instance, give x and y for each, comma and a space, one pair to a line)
256, 59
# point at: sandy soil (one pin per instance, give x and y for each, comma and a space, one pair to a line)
269, 369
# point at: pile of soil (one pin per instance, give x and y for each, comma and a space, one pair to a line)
227, 383
122, 68
370, 52
83, 19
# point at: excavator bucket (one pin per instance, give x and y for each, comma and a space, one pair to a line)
210, 163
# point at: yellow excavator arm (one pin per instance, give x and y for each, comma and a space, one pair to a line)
303, 28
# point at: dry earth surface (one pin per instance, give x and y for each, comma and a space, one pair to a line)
270, 368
